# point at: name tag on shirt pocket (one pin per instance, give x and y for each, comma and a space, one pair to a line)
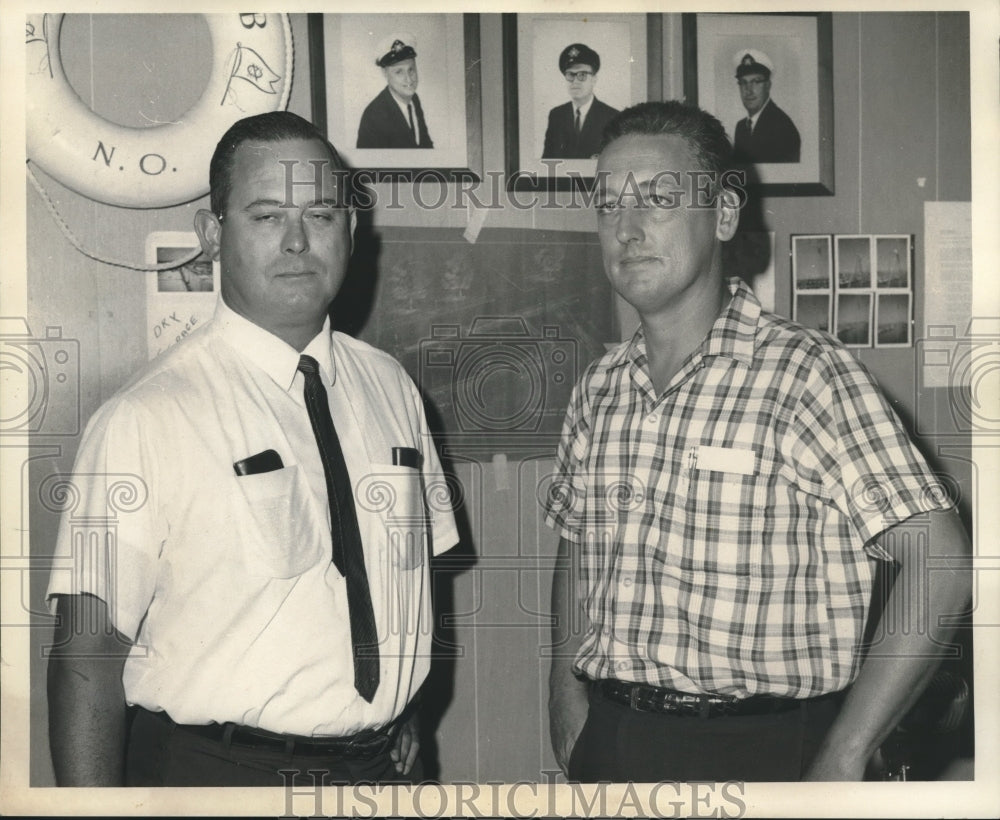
393, 493
732, 460
276, 521
726, 500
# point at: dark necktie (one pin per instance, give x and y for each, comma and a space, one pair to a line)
348, 554
413, 130
577, 123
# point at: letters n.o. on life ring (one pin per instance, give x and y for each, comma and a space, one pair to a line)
165, 164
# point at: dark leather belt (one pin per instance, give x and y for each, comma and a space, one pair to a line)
644, 698
365, 744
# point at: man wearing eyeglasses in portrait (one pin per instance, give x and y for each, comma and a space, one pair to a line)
574, 129
767, 134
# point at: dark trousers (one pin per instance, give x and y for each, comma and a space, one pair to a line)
163, 755
619, 744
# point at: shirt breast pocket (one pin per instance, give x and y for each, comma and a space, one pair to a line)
728, 505
278, 526
393, 496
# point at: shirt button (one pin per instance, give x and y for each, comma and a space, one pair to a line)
653, 418
627, 582
622, 665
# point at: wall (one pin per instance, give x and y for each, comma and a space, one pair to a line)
901, 112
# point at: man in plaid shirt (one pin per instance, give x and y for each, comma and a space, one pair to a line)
726, 484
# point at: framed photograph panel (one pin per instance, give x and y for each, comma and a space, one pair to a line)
892, 262
871, 286
539, 97
812, 262
893, 319
854, 262
788, 148
353, 99
854, 319
813, 310
178, 300
893, 290
812, 278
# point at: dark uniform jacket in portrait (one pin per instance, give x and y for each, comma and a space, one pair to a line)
383, 124
561, 139
774, 138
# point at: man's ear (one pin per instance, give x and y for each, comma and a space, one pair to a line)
727, 215
353, 227
209, 229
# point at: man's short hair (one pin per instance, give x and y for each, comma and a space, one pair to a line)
273, 126
713, 152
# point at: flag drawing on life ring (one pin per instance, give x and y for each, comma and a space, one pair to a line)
165, 164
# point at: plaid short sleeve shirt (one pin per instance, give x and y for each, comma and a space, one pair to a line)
726, 530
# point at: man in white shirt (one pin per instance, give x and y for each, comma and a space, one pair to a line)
258, 609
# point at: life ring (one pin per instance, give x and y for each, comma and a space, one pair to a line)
165, 164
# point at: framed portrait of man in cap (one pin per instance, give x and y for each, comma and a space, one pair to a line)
768, 78
565, 77
399, 94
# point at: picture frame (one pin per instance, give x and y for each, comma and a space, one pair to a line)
181, 299
853, 318
629, 47
812, 262
854, 261
893, 262
893, 319
799, 47
870, 285
893, 273
812, 278
345, 79
813, 310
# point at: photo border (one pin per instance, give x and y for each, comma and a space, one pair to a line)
870, 322
838, 268
823, 183
824, 292
185, 309
889, 294
472, 171
520, 179
908, 238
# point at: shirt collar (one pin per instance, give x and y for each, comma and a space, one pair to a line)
404, 106
266, 351
585, 108
755, 117
733, 335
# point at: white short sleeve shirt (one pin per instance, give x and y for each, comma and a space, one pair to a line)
225, 583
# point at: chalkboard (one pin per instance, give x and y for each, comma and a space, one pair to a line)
494, 333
